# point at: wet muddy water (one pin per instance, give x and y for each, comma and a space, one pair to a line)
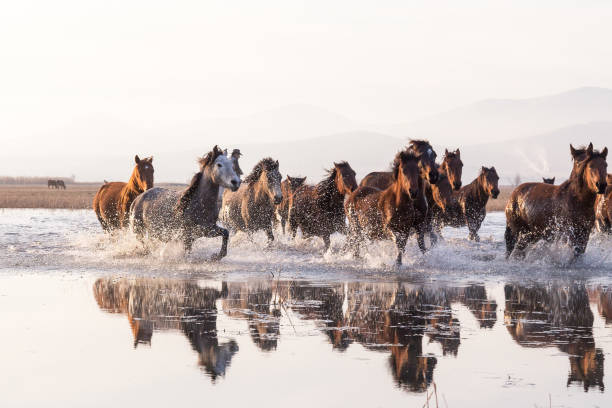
89, 320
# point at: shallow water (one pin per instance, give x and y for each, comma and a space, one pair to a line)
90, 320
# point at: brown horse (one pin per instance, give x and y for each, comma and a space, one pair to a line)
603, 208
288, 187
548, 180
390, 213
112, 201
319, 210
441, 201
538, 211
428, 174
52, 184
468, 206
252, 207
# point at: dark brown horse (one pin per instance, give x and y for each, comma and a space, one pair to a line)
428, 174
603, 208
51, 183
386, 214
548, 180
288, 186
319, 210
252, 207
538, 211
468, 205
112, 201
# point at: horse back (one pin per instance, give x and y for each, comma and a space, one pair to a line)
534, 205
377, 179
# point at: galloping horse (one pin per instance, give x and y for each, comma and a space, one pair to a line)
390, 213
252, 207
288, 187
166, 214
112, 201
538, 211
469, 203
548, 180
319, 210
603, 208
428, 174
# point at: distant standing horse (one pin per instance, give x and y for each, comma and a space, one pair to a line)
319, 210
51, 183
548, 180
61, 184
288, 187
386, 214
252, 207
538, 211
166, 214
112, 201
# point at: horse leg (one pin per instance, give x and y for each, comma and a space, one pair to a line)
510, 241
270, 235
327, 242
579, 243
400, 243
473, 225
420, 230
216, 231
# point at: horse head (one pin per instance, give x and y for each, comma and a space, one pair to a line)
345, 178
548, 180
488, 180
594, 169
220, 169
427, 159
143, 172
295, 182
267, 174
406, 172
453, 167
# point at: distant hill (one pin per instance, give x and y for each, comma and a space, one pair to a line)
546, 154
496, 120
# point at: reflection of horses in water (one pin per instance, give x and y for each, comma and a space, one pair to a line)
156, 304
546, 316
254, 303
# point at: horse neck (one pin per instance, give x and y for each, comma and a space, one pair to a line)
477, 191
331, 197
207, 191
132, 184
577, 186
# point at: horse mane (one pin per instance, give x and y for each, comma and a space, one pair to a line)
328, 183
187, 195
210, 157
413, 143
401, 157
266, 164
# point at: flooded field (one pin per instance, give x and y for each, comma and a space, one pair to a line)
90, 320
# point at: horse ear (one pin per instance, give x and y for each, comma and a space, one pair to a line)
493, 169
590, 150
604, 152
457, 152
335, 164
137, 159
289, 177
445, 152
276, 164
483, 169
553, 180
572, 151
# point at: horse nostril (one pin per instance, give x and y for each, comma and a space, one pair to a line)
234, 182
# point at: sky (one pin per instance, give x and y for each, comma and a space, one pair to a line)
161, 63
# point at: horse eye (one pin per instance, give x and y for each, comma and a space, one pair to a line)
219, 165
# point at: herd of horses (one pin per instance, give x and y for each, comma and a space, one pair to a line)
418, 197
57, 184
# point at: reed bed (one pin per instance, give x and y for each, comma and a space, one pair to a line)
499, 204
76, 196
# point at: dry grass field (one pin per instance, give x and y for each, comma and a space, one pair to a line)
80, 195
76, 196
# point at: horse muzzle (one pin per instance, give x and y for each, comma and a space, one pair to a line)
495, 193
433, 177
457, 186
235, 185
277, 199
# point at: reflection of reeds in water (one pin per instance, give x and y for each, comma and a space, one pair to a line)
547, 316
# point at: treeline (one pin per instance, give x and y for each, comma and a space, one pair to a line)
33, 180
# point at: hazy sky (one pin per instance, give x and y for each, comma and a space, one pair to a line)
152, 63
